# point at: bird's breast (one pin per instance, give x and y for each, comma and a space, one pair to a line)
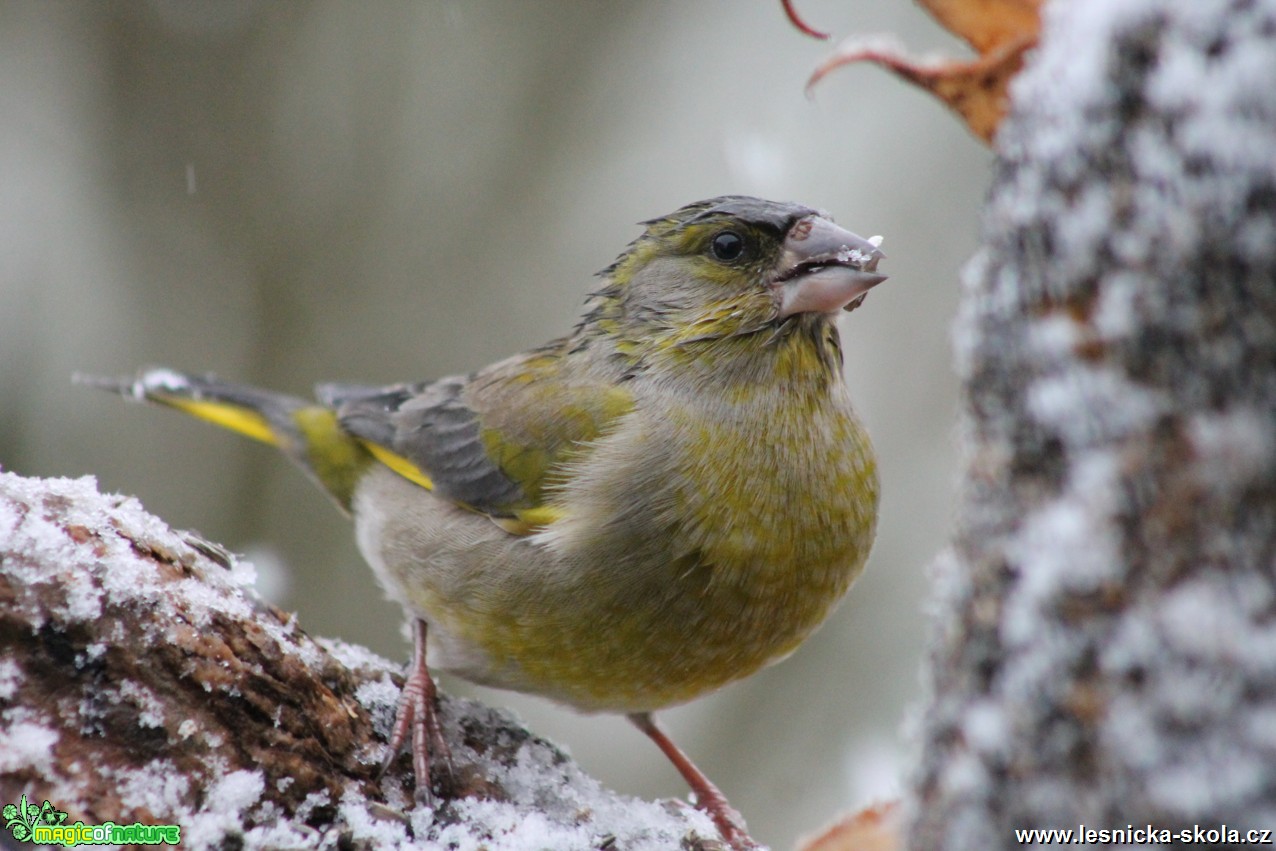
712, 540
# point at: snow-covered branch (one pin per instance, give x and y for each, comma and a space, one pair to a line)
142, 681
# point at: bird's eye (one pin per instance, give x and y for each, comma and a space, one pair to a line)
727, 245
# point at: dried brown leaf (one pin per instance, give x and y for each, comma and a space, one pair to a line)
986, 25
796, 20
1001, 31
875, 828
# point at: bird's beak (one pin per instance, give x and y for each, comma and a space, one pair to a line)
825, 268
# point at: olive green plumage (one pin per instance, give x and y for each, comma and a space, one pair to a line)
667, 499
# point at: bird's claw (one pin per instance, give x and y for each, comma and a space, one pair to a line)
727, 820
417, 711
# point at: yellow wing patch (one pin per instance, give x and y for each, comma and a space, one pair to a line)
523, 523
530, 520
399, 464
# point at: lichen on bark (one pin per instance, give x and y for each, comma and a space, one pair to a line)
1104, 654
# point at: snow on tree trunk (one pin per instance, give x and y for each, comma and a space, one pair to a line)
1106, 652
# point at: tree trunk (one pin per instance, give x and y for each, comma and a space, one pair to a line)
1106, 651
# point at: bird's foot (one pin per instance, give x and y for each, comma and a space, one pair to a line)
418, 711
725, 817
709, 799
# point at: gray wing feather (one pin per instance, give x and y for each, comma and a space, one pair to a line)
432, 426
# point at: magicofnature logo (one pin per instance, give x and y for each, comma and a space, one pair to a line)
46, 825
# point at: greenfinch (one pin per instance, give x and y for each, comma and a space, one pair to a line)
668, 498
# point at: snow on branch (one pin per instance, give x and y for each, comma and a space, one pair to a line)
1106, 654
142, 681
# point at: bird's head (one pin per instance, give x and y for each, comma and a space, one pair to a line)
734, 266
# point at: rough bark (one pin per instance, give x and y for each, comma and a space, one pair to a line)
1106, 649
141, 681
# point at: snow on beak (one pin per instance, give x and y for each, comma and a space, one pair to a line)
825, 268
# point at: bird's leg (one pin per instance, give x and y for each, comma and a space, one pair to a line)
418, 710
708, 797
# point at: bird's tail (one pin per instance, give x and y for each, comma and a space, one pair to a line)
305, 431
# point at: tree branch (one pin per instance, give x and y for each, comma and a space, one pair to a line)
142, 681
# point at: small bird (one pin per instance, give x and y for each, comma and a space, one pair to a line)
665, 500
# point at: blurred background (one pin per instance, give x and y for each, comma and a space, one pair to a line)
286, 193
